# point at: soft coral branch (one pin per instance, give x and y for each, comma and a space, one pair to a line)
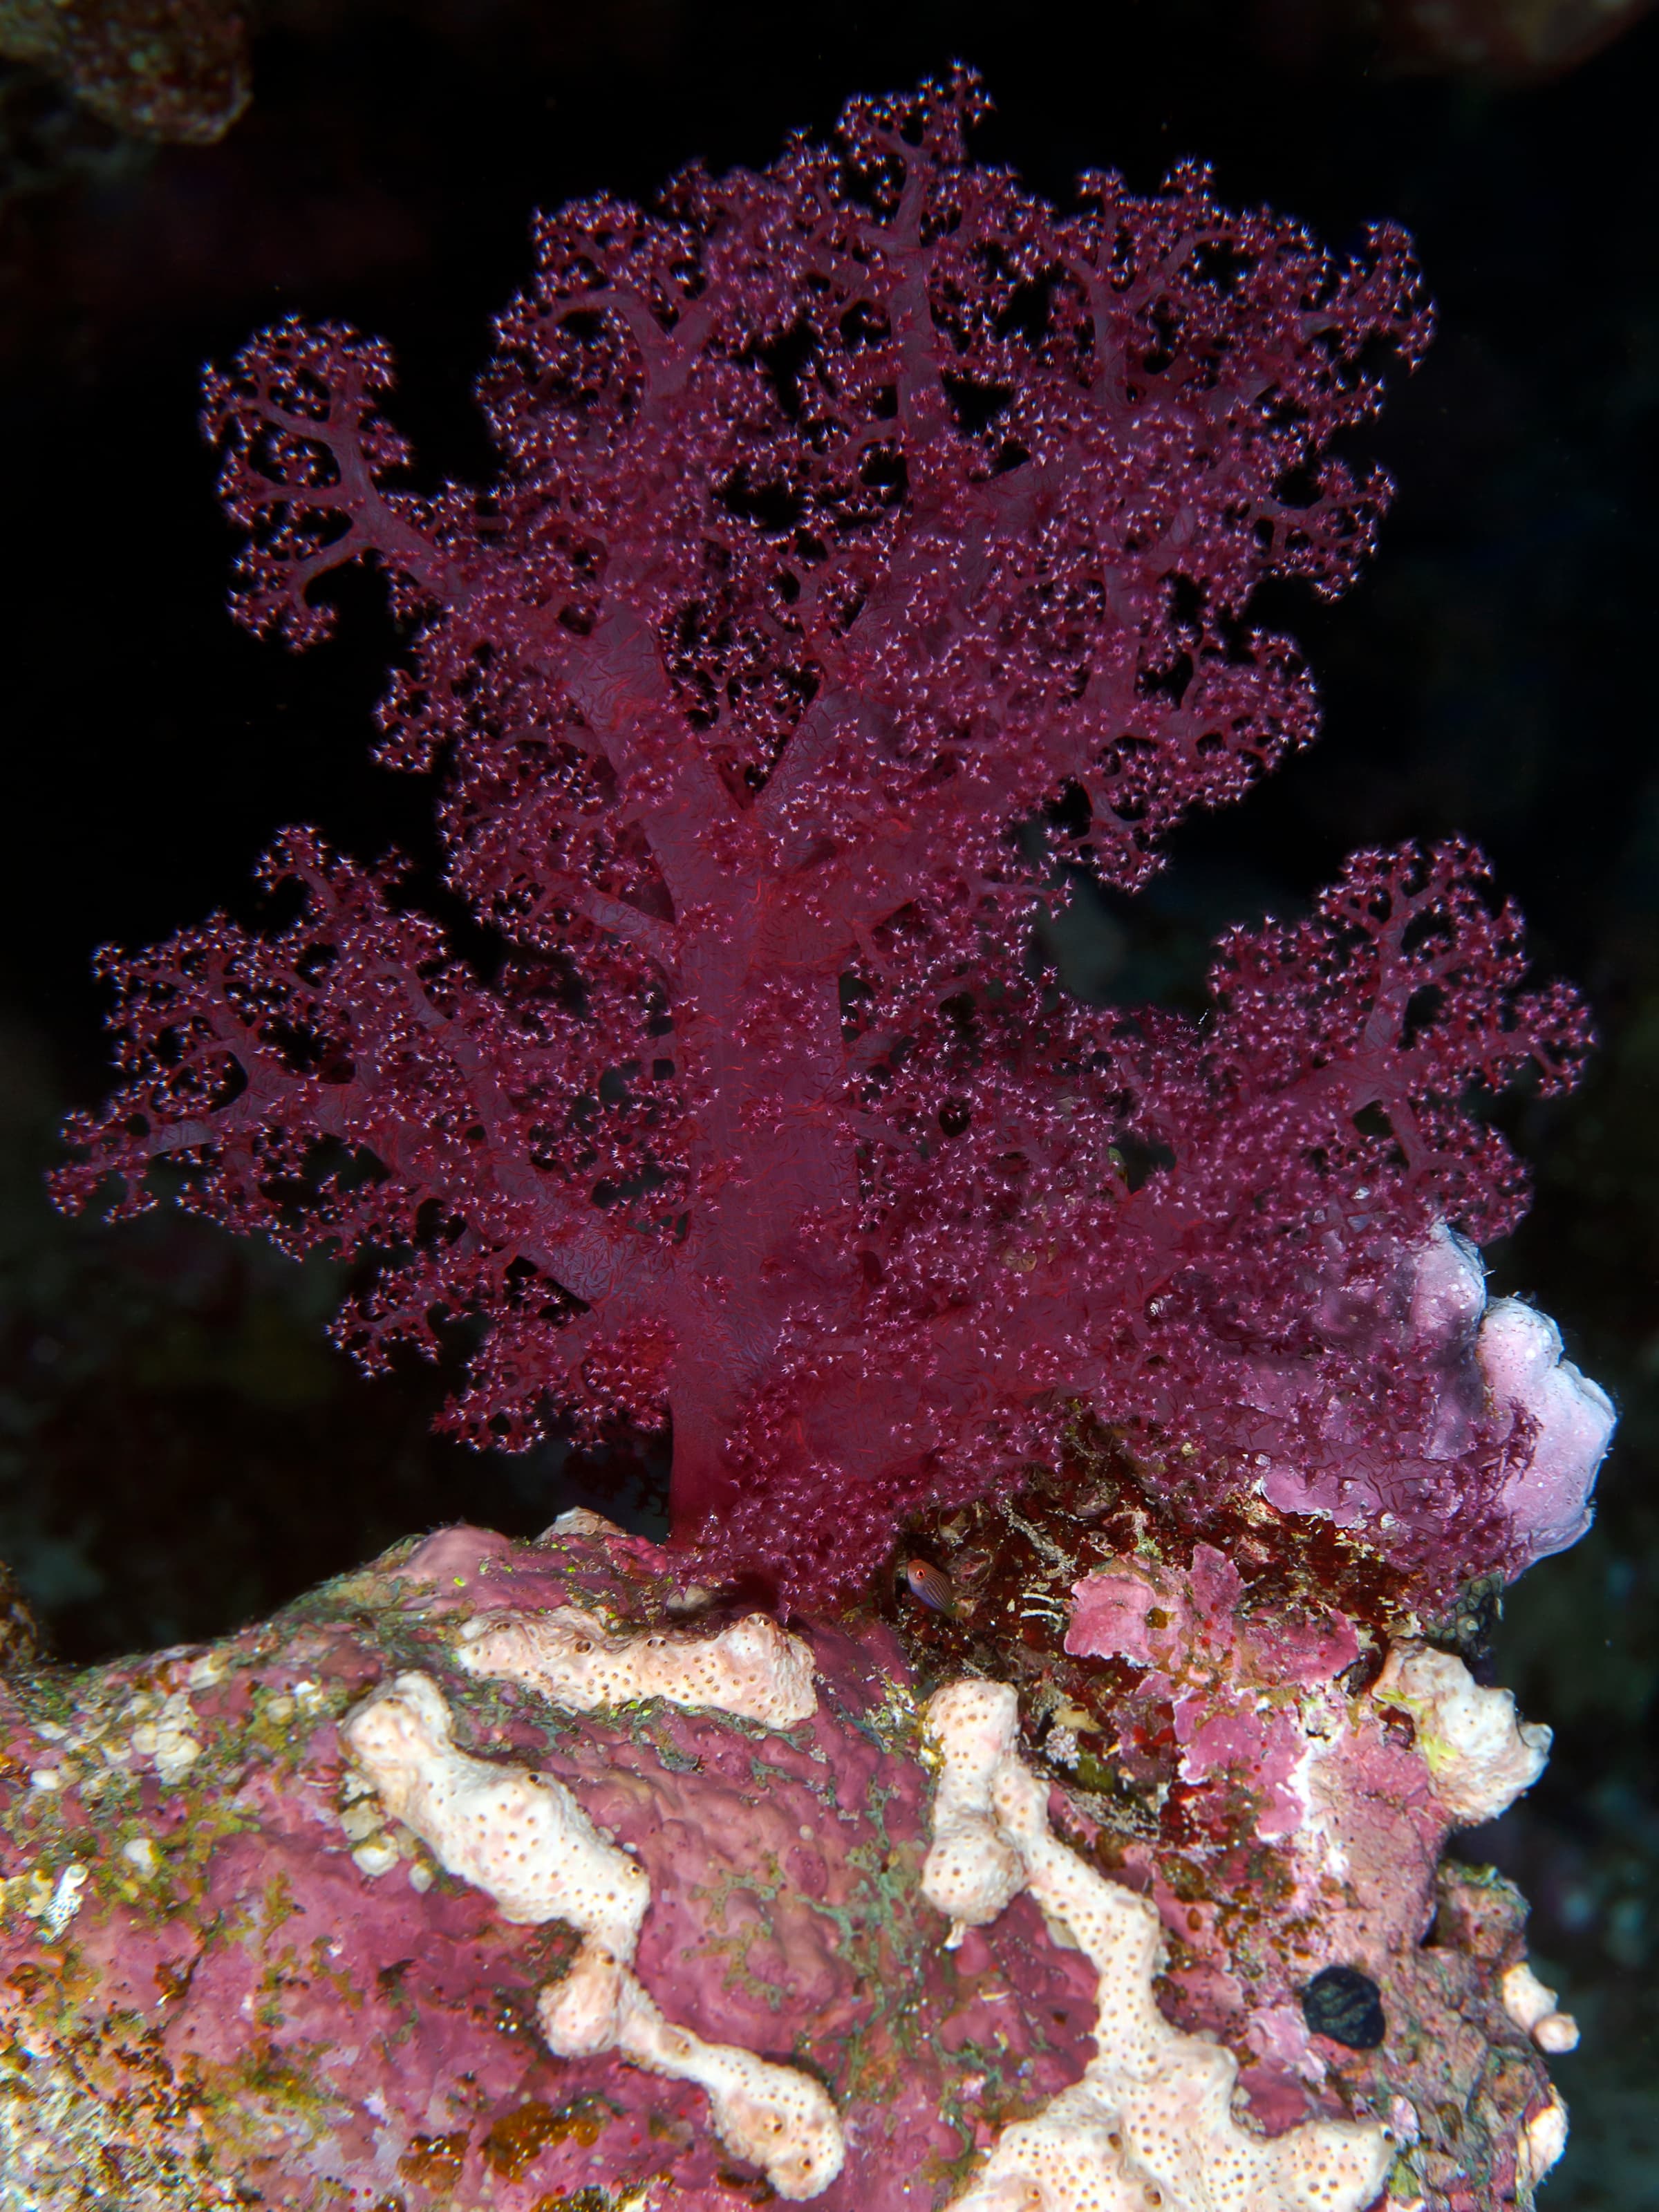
1191, 1231
850, 515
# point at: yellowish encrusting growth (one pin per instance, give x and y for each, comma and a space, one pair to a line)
523, 1839
752, 1668
1149, 2124
1480, 1756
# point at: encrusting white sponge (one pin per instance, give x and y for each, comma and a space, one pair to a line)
524, 1839
521, 1836
972, 1870
1151, 2124
775, 2116
752, 1668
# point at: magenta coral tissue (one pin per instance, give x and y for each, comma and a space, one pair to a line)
1023, 1779
1500, 1359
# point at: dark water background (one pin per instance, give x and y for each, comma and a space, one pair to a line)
178, 1449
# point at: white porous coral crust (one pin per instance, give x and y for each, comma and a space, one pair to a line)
521, 1836
752, 1668
524, 1839
972, 1870
775, 2116
1149, 2124
1480, 1756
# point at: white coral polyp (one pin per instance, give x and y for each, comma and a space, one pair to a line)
1542, 2140
1480, 1755
752, 1668
1150, 2122
523, 1839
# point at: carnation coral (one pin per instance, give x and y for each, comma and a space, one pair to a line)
873, 549
872, 543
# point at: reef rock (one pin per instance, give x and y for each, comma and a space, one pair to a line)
513, 1876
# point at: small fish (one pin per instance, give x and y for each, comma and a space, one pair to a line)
931, 1586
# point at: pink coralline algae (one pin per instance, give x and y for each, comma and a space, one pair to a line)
1188, 1624
266, 1989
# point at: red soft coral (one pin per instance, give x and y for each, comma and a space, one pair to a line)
849, 515
1206, 1233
